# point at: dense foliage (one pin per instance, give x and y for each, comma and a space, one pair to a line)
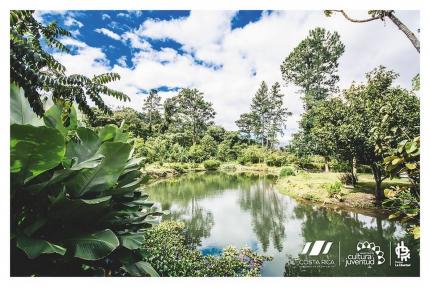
42, 76
171, 255
75, 203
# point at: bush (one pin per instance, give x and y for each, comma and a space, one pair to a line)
287, 171
347, 178
252, 154
76, 206
211, 164
276, 159
171, 255
334, 190
178, 167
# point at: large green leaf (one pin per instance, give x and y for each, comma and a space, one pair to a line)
53, 119
140, 268
35, 247
94, 246
85, 147
105, 175
112, 133
132, 241
20, 110
35, 150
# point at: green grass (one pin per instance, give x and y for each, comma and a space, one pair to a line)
312, 186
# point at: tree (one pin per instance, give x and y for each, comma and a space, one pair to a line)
194, 112
267, 116
151, 110
379, 116
382, 15
245, 123
260, 108
40, 75
278, 114
313, 65
132, 121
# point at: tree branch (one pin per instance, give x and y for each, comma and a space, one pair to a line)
356, 20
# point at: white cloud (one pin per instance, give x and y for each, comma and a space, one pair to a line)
69, 21
108, 33
260, 46
105, 17
122, 61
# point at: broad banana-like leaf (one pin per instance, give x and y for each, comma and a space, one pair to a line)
87, 146
53, 119
20, 110
35, 247
94, 246
34, 150
105, 175
140, 268
132, 241
113, 133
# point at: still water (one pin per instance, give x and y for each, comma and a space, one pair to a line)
304, 240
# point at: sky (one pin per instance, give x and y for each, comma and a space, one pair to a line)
224, 54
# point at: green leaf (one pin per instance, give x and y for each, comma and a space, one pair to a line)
35, 150
105, 175
94, 246
87, 145
35, 247
53, 119
20, 110
394, 215
411, 165
132, 241
140, 268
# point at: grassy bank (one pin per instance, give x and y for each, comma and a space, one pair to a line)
314, 187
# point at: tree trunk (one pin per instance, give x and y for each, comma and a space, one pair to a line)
402, 27
354, 170
378, 181
326, 167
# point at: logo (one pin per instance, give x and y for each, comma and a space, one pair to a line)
315, 254
317, 248
368, 254
403, 254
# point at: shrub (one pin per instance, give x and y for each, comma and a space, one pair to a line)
178, 167
276, 159
334, 190
76, 207
347, 178
171, 255
211, 164
252, 154
287, 171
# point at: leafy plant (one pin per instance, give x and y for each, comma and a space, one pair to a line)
348, 178
402, 203
211, 164
76, 205
35, 70
334, 190
171, 255
287, 171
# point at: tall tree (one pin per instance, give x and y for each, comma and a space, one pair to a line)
278, 114
313, 65
260, 108
194, 112
151, 109
267, 116
40, 75
382, 15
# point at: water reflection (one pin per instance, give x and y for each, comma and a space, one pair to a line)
245, 210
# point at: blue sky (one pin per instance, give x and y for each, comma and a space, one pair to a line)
225, 54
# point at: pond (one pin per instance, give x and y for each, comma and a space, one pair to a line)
304, 240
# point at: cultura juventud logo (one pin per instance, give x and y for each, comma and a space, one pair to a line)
368, 254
